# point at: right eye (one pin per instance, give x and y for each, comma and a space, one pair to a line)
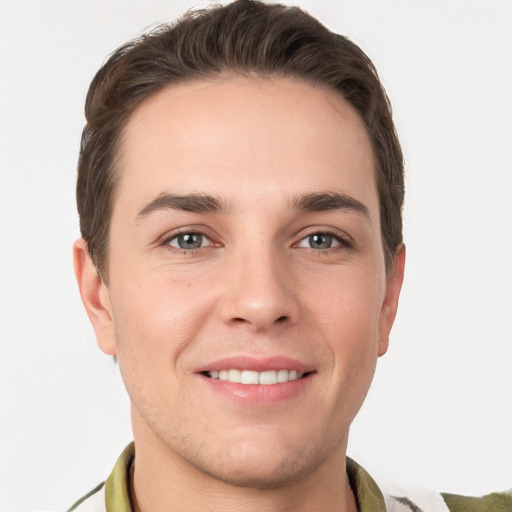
188, 241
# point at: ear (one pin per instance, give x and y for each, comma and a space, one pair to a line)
95, 297
394, 282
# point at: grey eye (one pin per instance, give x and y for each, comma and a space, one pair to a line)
188, 241
320, 241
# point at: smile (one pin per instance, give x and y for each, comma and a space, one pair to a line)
254, 377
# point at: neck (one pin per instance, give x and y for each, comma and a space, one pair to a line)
161, 480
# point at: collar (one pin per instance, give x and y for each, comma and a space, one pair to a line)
117, 486
369, 497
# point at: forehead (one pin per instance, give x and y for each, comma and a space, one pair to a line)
270, 135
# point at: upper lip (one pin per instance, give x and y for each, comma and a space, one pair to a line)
258, 364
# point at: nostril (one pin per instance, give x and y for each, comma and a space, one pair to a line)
240, 320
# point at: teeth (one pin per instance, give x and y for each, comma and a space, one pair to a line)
252, 377
269, 377
284, 375
234, 375
249, 377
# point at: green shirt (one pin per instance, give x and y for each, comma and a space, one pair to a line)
114, 496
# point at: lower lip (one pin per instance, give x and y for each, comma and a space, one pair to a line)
258, 394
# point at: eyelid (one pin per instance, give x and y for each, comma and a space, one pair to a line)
198, 230
203, 240
343, 238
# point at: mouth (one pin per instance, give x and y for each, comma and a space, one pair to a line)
257, 381
251, 377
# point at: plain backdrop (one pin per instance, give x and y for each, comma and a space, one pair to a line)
439, 413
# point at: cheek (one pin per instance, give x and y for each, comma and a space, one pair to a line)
354, 340
348, 305
157, 315
347, 317
156, 320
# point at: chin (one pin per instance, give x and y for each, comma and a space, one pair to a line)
261, 474
260, 465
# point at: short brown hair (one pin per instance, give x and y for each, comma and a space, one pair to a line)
244, 37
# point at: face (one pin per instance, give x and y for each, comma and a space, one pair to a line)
248, 300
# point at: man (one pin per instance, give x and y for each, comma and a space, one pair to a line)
240, 191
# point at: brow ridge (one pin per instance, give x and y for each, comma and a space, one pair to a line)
205, 203
326, 201
195, 203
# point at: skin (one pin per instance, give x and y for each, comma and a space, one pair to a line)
258, 286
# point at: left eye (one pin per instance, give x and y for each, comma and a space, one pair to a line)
320, 241
188, 241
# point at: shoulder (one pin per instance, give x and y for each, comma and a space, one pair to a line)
494, 502
93, 501
378, 496
422, 500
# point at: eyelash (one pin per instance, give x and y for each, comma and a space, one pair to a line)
343, 241
166, 241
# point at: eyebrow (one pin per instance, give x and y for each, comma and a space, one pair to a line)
327, 201
195, 203
204, 203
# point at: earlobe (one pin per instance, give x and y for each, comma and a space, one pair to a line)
95, 297
390, 304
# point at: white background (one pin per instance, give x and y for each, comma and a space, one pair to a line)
439, 413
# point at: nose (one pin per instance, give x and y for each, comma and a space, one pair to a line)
259, 291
